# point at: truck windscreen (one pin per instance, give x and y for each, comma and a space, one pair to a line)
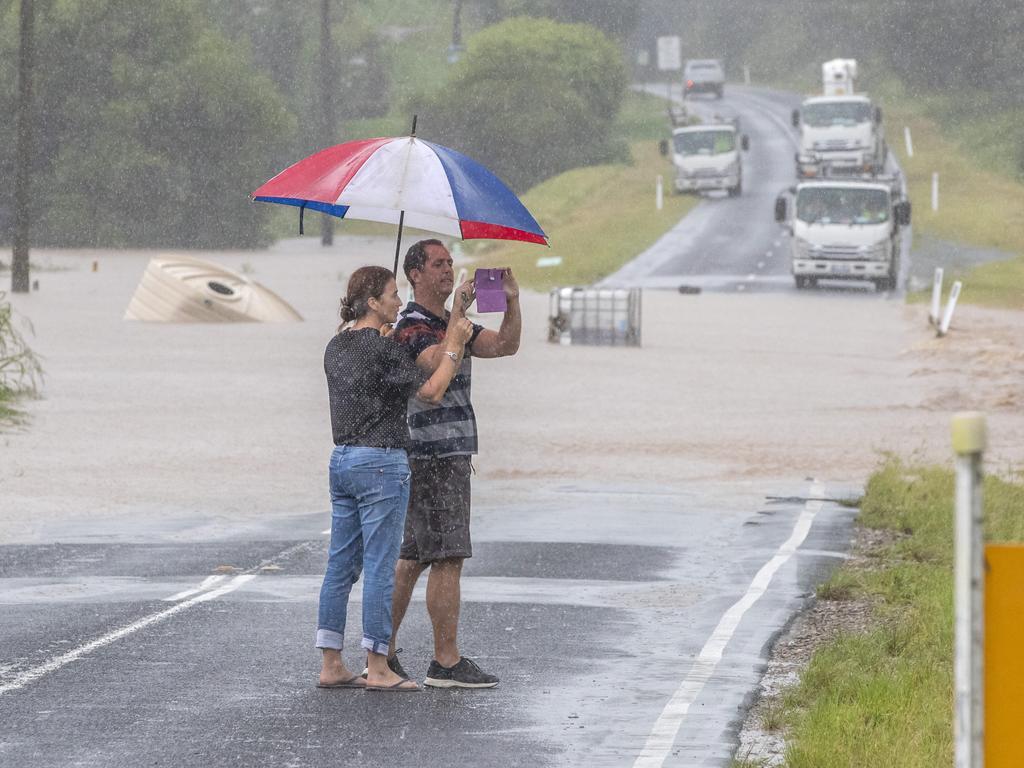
836, 113
842, 205
705, 142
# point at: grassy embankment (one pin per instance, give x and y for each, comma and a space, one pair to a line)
885, 697
976, 150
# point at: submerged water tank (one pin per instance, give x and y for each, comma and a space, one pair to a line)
180, 289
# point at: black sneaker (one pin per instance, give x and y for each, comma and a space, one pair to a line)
394, 665
465, 674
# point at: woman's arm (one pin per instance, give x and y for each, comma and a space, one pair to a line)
459, 332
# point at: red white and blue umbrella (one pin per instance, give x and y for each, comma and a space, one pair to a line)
402, 181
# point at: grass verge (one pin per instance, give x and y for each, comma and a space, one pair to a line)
885, 697
981, 201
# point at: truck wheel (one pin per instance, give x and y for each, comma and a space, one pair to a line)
737, 190
883, 284
720, 91
803, 282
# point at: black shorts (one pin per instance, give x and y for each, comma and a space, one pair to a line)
437, 522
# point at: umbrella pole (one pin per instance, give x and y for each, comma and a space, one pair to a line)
398, 243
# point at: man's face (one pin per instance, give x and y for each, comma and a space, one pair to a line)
437, 277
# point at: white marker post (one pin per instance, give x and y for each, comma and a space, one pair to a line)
935, 191
659, 194
969, 438
947, 317
907, 141
933, 315
746, 75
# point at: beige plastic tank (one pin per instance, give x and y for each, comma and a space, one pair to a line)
180, 289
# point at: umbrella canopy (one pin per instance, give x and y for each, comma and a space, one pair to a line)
405, 180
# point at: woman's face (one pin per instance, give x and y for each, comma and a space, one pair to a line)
389, 303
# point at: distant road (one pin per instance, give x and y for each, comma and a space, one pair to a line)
734, 244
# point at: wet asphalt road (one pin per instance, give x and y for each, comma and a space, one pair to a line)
734, 244
591, 604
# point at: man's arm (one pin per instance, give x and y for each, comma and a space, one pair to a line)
504, 341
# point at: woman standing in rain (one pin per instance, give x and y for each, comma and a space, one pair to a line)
369, 380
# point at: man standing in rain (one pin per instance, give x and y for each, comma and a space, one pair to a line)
444, 440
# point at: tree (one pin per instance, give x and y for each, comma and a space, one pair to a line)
616, 18
152, 127
531, 98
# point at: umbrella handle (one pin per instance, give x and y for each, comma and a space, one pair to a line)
302, 212
398, 243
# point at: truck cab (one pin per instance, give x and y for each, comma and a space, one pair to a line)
707, 157
845, 230
839, 135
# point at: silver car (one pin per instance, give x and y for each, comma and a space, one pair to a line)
703, 76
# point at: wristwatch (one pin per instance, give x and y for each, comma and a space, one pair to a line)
453, 356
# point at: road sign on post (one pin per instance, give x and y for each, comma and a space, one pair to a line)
670, 54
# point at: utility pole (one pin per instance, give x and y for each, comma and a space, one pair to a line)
456, 48
327, 118
19, 266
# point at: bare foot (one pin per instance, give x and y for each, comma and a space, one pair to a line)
336, 674
390, 679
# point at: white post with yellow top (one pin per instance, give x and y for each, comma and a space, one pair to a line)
969, 436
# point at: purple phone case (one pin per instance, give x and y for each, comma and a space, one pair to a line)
490, 293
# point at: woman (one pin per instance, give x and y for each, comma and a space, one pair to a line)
369, 379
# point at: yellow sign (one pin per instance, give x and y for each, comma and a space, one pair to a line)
1004, 655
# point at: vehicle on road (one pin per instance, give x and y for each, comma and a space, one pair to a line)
845, 230
703, 76
839, 135
707, 157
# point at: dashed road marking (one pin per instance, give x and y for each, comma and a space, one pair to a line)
208, 582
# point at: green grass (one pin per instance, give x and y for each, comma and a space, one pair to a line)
885, 697
21, 374
981, 192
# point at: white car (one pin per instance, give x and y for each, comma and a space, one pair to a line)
703, 76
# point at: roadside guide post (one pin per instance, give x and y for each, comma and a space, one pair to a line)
936, 311
947, 316
670, 59
659, 194
969, 436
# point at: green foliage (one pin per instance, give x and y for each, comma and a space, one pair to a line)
151, 128
616, 18
20, 371
532, 98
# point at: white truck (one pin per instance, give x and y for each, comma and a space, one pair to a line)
707, 157
845, 230
839, 135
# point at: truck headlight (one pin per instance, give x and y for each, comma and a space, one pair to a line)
804, 249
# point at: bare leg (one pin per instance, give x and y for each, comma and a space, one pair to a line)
379, 674
444, 597
333, 669
407, 573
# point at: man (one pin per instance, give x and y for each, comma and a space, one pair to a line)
444, 439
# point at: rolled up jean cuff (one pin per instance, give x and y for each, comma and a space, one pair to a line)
375, 646
326, 638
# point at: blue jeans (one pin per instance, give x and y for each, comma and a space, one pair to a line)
369, 495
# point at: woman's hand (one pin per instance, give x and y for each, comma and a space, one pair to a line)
460, 331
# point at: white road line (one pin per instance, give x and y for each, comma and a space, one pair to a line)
57, 662
208, 582
666, 727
